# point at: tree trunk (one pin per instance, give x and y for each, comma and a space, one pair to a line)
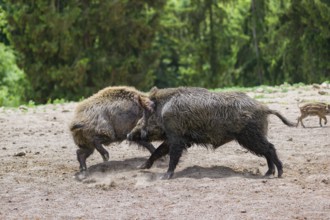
255, 41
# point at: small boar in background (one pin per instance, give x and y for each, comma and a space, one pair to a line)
196, 116
319, 109
106, 117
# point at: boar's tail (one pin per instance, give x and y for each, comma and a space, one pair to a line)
283, 119
76, 126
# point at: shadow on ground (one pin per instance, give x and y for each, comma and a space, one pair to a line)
214, 172
194, 172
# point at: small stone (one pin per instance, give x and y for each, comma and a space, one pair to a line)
321, 92
256, 171
325, 181
23, 108
316, 86
20, 154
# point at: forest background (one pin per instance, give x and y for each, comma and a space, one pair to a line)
69, 49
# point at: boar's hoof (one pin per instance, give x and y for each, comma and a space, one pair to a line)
81, 175
146, 165
167, 176
269, 173
129, 136
105, 157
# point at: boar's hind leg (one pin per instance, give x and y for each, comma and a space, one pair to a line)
271, 156
253, 140
104, 153
325, 120
82, 154
161, 151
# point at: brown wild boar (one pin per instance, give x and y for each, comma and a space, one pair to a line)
196, 116
106, 117
319, 109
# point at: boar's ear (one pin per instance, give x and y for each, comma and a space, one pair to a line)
153, 90
145, 103
148, 104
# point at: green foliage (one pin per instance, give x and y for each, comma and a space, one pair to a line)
12, 81
70, 49
306, 27
31, 104
244, 43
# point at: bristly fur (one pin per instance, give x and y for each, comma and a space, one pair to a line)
76, 126
191, 115
107, 117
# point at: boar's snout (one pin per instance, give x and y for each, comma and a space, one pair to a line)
137, 134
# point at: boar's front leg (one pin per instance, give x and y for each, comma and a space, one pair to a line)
147, 145
300, 120
161, 151
176, 146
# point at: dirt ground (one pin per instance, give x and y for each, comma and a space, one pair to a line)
38, 166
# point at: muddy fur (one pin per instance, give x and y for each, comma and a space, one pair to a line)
150, 126
107, 117
196, 116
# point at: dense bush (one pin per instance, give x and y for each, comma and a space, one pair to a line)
12, 80
72, 48
69, 49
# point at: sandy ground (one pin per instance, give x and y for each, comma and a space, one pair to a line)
38, 164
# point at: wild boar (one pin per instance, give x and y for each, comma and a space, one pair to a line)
196, 116
319, 109
106, 117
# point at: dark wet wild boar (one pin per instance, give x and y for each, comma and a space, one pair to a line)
319, 109
194, 116
106, 117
